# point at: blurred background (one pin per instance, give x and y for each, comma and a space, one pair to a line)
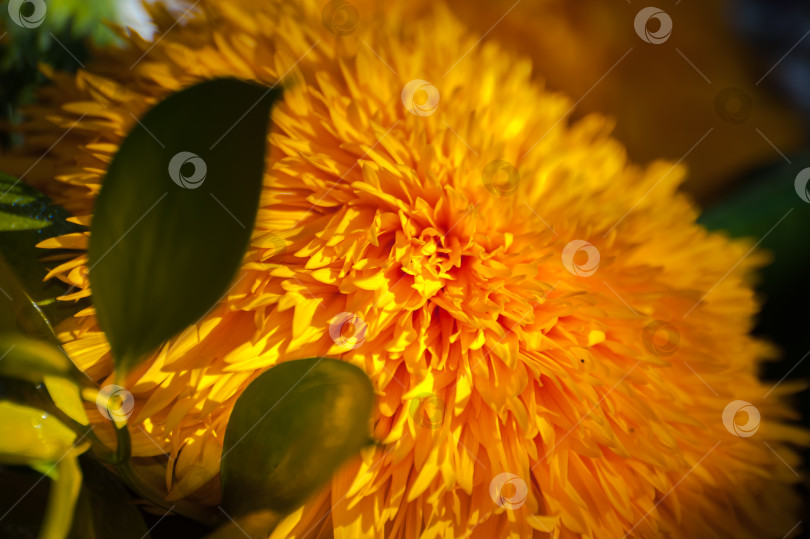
727, 92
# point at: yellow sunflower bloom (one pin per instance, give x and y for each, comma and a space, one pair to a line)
665, 105
557, 348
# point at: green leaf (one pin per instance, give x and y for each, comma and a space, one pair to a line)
37, 439
39, 362
29, 436
104, 508
32, 360
15, 202
28, 217
769, 197
66, 395
289, 432
175, 213
18, 311
769, 208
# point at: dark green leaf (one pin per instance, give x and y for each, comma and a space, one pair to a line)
28, 217
169, 232
18, 311
289, 432
29, 350
768, 209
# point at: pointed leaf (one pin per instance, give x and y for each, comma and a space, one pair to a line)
175, 213
28, 436
21, 314
21, 271
39, 362
22, 207
66, 396
32, 360
289, 432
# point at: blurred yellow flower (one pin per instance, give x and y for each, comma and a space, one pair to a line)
554, 342
666, 96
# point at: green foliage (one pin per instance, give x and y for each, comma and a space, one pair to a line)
28, 217
68, 21
290, 430
163, 247
27, 359
67, 32
755, 209
168, 236
767, 209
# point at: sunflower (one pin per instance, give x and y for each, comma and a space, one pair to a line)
554, 342
665, 105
